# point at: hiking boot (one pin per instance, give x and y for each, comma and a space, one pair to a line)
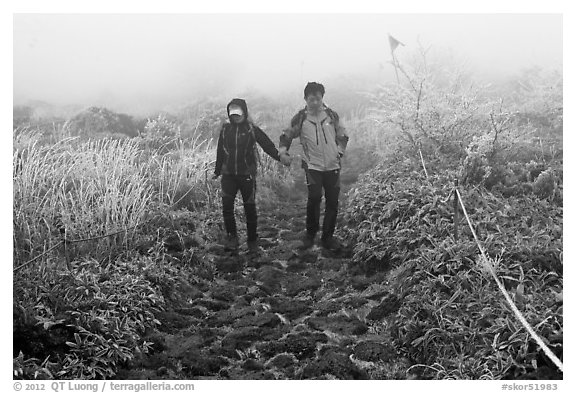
307, 241
231, 243
253, 247
331, 243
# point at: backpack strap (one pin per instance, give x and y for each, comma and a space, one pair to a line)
301, 116
333, 115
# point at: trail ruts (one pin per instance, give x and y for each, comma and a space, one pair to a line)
284, 314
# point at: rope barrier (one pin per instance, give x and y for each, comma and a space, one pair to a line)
490, 268
515, 309
108, 234
38, 256
423, 164
66, 241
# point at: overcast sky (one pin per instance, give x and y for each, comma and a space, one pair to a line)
68, 58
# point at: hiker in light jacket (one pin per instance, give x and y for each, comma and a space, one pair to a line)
324, 141
236, 161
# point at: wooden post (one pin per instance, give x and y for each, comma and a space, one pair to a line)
456, 217
394, 63
207, 186
66, 255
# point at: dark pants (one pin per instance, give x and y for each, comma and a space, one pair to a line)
330, 181
247, 186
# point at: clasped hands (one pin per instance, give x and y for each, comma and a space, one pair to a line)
285, 158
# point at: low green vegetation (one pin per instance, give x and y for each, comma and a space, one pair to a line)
453, 322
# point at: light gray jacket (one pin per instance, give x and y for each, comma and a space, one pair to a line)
323, 138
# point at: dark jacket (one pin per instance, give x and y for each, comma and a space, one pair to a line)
236, 152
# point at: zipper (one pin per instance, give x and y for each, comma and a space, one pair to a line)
236, 152
252, 147
316, 128
324, 132
326, 141
246, 153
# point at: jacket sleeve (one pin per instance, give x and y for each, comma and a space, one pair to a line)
219, 153
266, 143
341, 135
290, 133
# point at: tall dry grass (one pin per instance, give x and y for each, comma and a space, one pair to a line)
89, 188
84, 188
182, 178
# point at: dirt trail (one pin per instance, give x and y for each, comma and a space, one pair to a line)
285, 314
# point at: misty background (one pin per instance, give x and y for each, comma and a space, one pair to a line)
144, 62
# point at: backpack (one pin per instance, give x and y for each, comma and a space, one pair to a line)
301, 116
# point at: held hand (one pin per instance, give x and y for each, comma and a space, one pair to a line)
285, 159
215, 176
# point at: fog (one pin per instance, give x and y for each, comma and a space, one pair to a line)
142, 61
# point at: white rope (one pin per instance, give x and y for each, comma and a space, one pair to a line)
423, 165
517, 312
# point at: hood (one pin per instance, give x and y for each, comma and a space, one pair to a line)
242, 104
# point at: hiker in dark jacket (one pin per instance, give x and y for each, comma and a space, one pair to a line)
324, 141
236, 161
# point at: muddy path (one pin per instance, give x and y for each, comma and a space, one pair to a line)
284, 314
